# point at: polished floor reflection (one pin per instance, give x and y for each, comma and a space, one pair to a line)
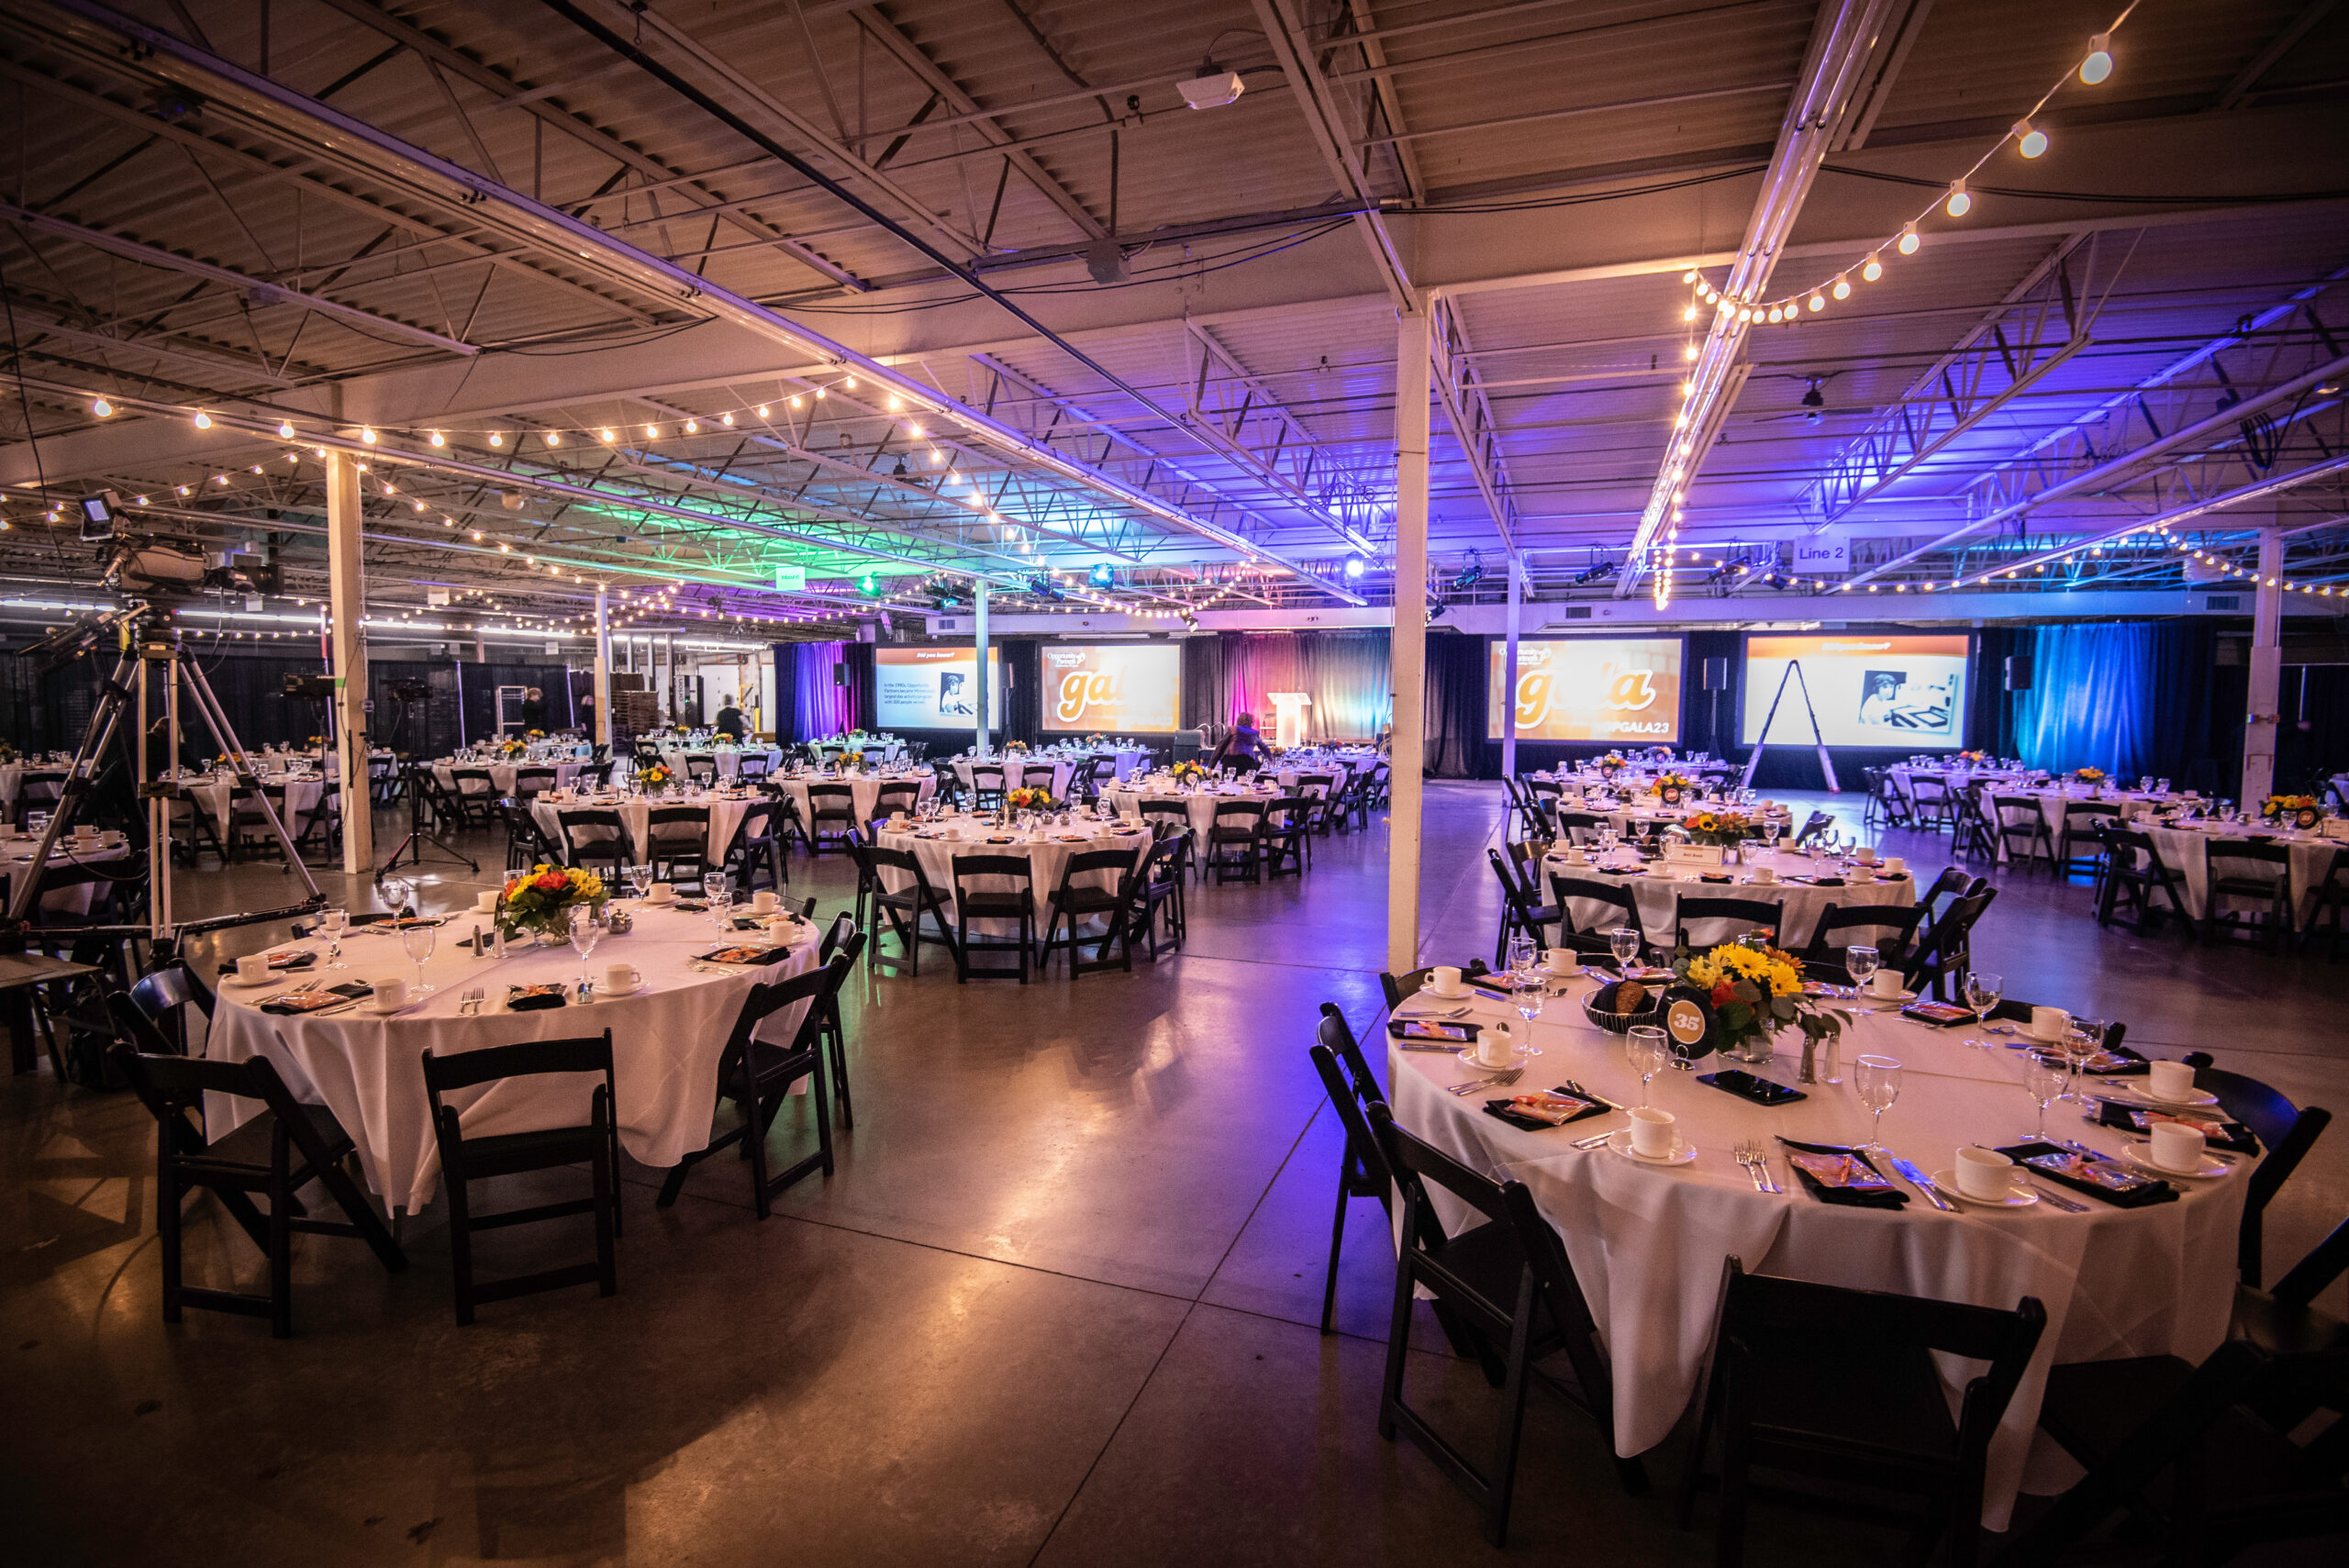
1057, 1304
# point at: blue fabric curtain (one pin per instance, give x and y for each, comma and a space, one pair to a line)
2093, 700
821, 707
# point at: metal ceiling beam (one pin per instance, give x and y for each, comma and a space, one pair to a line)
1460, 385
258, 291
1844, 40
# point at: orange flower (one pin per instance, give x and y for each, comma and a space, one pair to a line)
554, 882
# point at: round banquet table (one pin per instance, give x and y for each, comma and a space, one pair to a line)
1657, 890
2054, 805
14, 776
17, 859
2183, 846
295, 799
1199, 804
1047, 856
891, 749
666, 1039
502, 775
1647, 1241
728, 758
1034, 773
864, 788
725, 815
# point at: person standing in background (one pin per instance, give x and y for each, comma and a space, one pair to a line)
1242, 745
729, 721
534, 710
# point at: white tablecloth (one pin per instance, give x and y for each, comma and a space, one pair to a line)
1647, 1242
1658, 896
892, 749
1048, 858
666, 1039
1199, 804
2182, 850
16, 860
725, 815
866, 788
728, 758
300, 798
13, 776
1035, 772
502, 775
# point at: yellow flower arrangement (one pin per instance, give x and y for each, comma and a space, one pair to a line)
1029, 799
2278, 807
1612, 760
1710, 827
1755, 992
542, 899
1673, 780
2088, 776
1188, 773
1768, 969
653, 777
1976, 758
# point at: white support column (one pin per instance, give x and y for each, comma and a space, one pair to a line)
347, 595
1409, 646
603, 667
2267, 673
980, 706
1509, 686
669, 681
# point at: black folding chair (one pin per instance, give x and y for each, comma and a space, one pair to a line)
1076, 901
2021, 830
1747, 915
1842, 1386
1510, 1285
1158, 893
258, 1158
1890, 929
597, 841
2083, 823
1235, 847
2260, 874
1522, 912
1289, 835
1580, 828
2134, 874
2285, 1132
752, 856
1015, 902
475, 794
831, 815
677, 843
904, 908
1944, 954
756, 1077
847, 941
1565, 892
163, 996
987, 786
467, 1160
2332, 898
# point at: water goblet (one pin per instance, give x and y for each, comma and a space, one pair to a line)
639, 879
418, 939
1877, 1081
1624, 943
2043, 1080
1982, 993
334, 922
714, 883
1646, 1050
2085, 1040
1860, 962
585, 931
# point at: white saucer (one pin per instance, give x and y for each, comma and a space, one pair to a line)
1867, 995
2022, 1196
2210, 1168
1518, 1057
652, 902
1683, 1152
368, 1006
603, 990
234, 981
2144, 1096
1463, 995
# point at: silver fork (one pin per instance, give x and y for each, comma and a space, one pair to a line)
1749, 1154
1499, 1081
473, 1000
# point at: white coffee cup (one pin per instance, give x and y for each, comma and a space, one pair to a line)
1562, 960
254, 968
1895, 866
1444, 981
1765, 874
2171, 1081
1655, 1133
1985, 1173
2177, 1146
622, 978
389, 996
1862, 875
897, 818
661, 893
1887, 982
486, 903
1495, 1048
763, 903
2050, 1024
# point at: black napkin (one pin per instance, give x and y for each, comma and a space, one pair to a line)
533, 999
307, 961
2133, 1066
2232, 1136
1886, 1196
1592, 1106
2136, 1189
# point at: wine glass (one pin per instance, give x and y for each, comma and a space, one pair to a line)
2044, 1081
639, 879
1771, 827
334, 922
1624, 943
397, 892
1982, 993
1532, 993
584, 931
1877, 1083
2085, 1040
713, 882
1861, 961
1520, 952
1644, 1048
418, 939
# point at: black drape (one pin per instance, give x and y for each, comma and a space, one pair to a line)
1023, 685
786, 691
1991, 707
1708, 720
858, 657
1455, 707
1203, 681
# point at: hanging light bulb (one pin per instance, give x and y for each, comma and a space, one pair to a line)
1960, 202
1689, 313
202, 420
1817, 303
651, 433
496, 439
761, 411
1909, 239
2099, 64
554, 438
102, 409
797, 401
726, 420
819, 392
1871, 269
1689, 353
608, 434
693, 427
2029, 141
367, 435
1842, 289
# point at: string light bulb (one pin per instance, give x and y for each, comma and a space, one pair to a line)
1871, 269
437, 439
2030, 140
2099, 64
202, 420
497, 440
608, 434
554, 438
102, 409
762, 411
726, 420
1909, 239
367, 435
1960, 201
651, 433
1842, 289
1817, 302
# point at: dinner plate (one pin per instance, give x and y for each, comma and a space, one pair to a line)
2021, 1196
237, 983
2211, 1167
2143, 1094
1620, 1140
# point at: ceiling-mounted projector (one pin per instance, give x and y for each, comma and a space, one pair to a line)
1211, 91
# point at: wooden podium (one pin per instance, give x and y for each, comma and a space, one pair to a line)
1288, 718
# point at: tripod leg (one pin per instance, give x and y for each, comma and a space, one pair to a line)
96, 737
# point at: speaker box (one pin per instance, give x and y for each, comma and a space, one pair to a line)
1717, 674
840, 674
2019, 673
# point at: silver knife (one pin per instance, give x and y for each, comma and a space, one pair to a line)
2049, 1195
1916, 1178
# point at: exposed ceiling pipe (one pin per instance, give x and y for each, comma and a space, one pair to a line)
559, 232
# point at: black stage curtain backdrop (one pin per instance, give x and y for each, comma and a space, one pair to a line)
1456, 709
1203, 697
858, 657
1023, 684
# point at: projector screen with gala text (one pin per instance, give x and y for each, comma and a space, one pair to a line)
1892, 691
1621, 690
1112, 688
934, 688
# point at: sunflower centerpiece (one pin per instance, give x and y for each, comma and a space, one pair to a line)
1187, 774
1756, 991
539, 902
654, 776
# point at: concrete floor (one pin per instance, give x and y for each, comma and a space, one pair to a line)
1057, 1305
